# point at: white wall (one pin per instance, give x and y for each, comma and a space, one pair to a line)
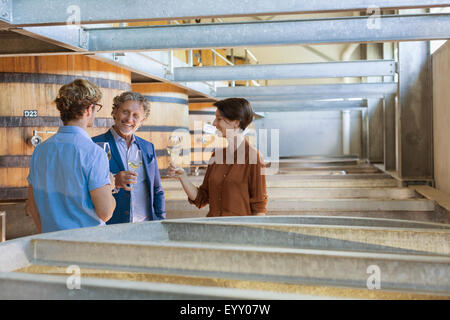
312, 133
441, 117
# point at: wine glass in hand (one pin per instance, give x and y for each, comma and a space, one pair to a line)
175, 172
134, 161
105, 146
174, 148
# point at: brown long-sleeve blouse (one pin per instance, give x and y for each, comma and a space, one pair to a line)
234, 188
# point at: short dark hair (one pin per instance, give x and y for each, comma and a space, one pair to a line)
236, 109
75, 97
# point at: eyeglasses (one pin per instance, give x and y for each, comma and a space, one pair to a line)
99, 106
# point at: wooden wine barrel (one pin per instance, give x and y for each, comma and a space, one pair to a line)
31, 84
168, 116
203, 144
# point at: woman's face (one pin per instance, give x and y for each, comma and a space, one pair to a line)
222, 124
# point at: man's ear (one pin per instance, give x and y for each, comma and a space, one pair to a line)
142, 121
89, 110
113, 113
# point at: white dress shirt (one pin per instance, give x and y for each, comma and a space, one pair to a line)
139, 201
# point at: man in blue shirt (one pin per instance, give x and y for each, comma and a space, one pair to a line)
70, 183
141, 196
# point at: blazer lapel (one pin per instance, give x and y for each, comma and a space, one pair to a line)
114, 151
146, 158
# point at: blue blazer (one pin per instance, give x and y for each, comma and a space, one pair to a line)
156, 197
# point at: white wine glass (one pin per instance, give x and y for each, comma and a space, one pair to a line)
105, 146
174, 148
134, 161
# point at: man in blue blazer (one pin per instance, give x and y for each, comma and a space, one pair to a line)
140, 196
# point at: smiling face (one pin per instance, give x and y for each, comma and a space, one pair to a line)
222, 124
128, 118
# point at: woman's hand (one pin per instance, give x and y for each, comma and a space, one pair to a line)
189, 188
176, 172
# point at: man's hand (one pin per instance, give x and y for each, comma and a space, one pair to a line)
124, 178
112, 180
33, 210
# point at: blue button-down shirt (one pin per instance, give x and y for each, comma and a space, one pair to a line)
140, 199
63, 171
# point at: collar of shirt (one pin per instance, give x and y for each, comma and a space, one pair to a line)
226, 153
118, 138
73, 129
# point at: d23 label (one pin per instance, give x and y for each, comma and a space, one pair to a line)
30, 113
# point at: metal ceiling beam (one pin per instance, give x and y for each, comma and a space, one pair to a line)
318, 96
307, 105
42, 40
153, 65
69, 37
267, 33
149, 64
50, 12
12, 43
309, 92
353, 29
287, 71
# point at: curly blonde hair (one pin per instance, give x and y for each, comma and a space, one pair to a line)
75, 97
133, 96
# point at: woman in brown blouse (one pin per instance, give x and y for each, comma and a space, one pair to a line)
234, 183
